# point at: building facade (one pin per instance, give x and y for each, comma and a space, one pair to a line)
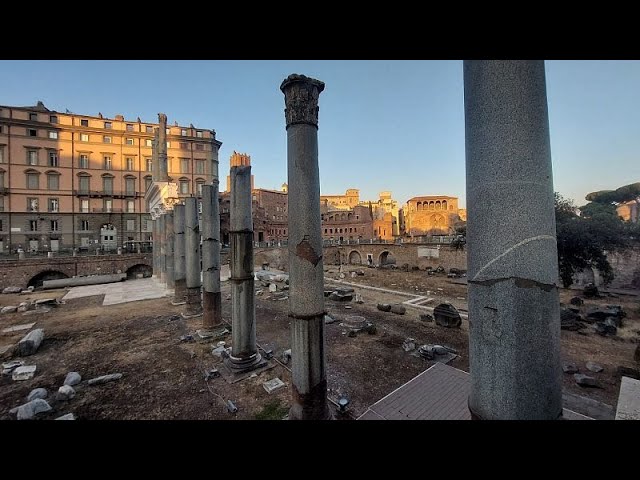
628, 211
431, 215
78, 181
342, 225
350, 199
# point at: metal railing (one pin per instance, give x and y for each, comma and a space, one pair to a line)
107, 193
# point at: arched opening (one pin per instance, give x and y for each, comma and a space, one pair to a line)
444, 205
139, 270
419, 206
37, 280
386, 258
431, 205
355, 258
438, 205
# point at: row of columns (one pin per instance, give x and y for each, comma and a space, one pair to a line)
513, 295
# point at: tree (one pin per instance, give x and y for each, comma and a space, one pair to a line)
584, 240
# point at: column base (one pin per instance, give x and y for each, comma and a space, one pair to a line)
194, 303
179, 295
240, 365
312, 405
476, 416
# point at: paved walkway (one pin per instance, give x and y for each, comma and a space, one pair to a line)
121, 292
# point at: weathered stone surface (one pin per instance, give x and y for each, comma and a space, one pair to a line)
31, 342
594, 367
9, 367
17, 328
600, 313
606, 328
585, 380
12, 290
31, 409
328, 319
576, 301
66, 392
273, 287
570, 368
409, 344
384, 307
398, 309
569, 320
37, 393
590, 290
8, 309
628, 400
426, 317
446, 315
341, 297
24, 373
72, 378
105, 378
68, 416
273, 385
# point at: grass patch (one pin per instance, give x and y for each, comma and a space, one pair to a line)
273, 410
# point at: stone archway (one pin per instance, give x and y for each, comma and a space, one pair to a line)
36, 280
355, 258
139, 269
386, 258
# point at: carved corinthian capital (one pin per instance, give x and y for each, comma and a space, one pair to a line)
301, 99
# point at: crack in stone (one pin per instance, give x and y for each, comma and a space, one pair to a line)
520, 283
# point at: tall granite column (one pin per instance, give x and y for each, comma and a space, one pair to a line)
168, 249
156, 249
514, 313
154, 155
306, 278
163, 172
162, 253
211, 297
192, 258
179, 269
244, 353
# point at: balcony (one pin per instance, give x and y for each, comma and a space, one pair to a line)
107, 210
107, 193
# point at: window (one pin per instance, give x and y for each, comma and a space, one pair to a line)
54, 225
53, 181
33, 117
107, 162
184, 186
84, 123
131, 225
183, 146
199, 207
53, 158
147, 183
108, 205
131, 207
183, 132
168, 144
130, 164
1, 154
84, 224
107, 125
1, 179
107, 185
148, 142
128, 141
32, 180
149, 163
199, 146
84, 208
53, 204
184, 165
149, 129
1, 204
106, 139
199, 134
130, 185
32, 132
1, 226
129, 127
199, 187
53, 119
83, 161
32, 157
83, 184
33, 225
84, 137
200, 167
53, 135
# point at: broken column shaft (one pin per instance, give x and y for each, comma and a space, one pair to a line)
192, 258
211, 297
306, 278
179, 270
163, 172
514, 319
168, 249
244, 353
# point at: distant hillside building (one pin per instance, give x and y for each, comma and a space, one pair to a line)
350, 199
629, 211
431, 215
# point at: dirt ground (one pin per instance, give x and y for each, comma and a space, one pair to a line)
164, 378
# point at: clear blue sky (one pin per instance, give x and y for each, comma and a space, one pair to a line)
384, 125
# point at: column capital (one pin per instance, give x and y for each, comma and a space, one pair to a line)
301, 99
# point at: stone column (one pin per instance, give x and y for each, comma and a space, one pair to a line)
154, 155
163, 173
306, 279
179, 269
244, 353
156, 249
169, 249
192, 258
161, 250
211, 297
514, 318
